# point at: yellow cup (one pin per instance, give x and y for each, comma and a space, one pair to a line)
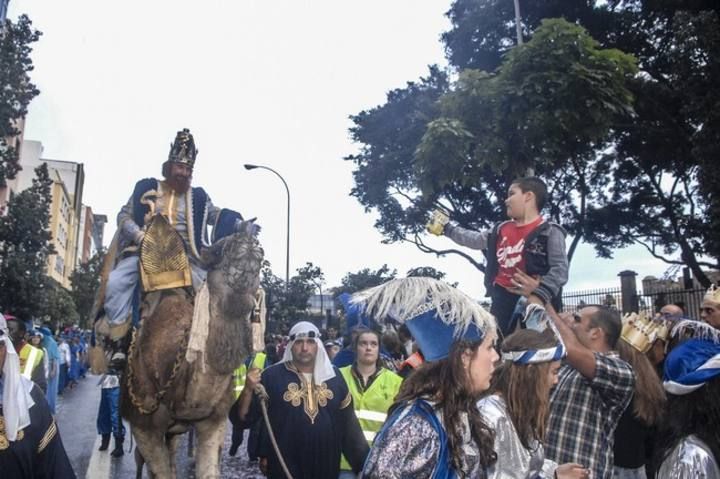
437, 223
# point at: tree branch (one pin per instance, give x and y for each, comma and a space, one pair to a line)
651, 250
427, 249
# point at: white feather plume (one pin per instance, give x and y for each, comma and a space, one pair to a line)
691, 328
403, 299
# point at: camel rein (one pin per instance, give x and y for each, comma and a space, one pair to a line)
264, 399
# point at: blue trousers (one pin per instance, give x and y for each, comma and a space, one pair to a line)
52, 391
108, 419
62, 382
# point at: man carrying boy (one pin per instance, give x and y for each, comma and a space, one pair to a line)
526, 243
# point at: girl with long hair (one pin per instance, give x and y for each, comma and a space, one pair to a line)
637, 426
518, 405
433, 428
439, 393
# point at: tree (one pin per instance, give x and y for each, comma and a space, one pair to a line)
546, 107
59, 308
25, 247
651, 181
17, 90
661, 163
288, 302
313, 274
85, 281
363, 279
426, 271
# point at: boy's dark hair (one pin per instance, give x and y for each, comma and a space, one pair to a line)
536, 186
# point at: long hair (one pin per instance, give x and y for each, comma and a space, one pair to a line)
649, 395
447, 383
696, 413
526, 387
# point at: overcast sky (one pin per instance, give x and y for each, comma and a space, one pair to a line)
271, 83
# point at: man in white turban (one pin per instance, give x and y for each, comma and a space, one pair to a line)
30, 445
310, 410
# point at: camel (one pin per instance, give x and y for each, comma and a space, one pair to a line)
162, 393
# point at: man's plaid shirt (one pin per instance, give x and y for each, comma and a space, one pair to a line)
584, 414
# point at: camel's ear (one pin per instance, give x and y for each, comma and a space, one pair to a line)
212, 255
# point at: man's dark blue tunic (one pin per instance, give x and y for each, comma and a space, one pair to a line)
313, 424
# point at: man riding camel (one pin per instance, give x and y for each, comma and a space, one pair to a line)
188, 211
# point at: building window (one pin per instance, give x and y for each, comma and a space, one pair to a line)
59, 265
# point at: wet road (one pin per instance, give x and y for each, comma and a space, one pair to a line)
76, 416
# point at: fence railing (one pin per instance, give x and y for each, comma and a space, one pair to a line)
574, 300
648, 302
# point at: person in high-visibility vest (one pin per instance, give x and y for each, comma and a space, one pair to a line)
258, 360
373, 388
31, 358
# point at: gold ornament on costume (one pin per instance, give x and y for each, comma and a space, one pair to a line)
4, 442
712, 295
437, 223
641, 332
163, 261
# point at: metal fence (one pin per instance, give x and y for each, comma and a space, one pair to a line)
649, 302
574, 300
689, 300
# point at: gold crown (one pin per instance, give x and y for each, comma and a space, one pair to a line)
183, 149
640, 332
712, 294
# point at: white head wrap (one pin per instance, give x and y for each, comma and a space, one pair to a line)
16, 399
323, 367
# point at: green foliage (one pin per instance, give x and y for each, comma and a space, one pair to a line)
551, 100
363, 279
25, 247
17, 90
425, 271
287, 303
58, 307
629, 153
85, 281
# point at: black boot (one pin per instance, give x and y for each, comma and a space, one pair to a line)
105, 442
118, 451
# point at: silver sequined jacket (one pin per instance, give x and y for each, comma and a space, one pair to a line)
514, 461
691, 459
409, 450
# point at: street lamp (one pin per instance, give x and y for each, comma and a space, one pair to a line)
287, 190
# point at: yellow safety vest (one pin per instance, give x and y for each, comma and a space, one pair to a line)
240, 373
30, 357
371, 406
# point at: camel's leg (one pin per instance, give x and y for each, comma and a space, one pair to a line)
139, 462
154, 450
173, 443
210, 438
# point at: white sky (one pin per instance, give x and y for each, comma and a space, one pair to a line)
260, 82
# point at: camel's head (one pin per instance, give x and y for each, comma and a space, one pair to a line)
234, 266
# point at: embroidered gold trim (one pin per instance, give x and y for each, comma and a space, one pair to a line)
312, 398
49, 435
4, 442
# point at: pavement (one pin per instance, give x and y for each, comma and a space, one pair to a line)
76, 416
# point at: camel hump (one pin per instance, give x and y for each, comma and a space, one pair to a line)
159, 344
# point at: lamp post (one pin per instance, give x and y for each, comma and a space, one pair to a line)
518, 22
287, 190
